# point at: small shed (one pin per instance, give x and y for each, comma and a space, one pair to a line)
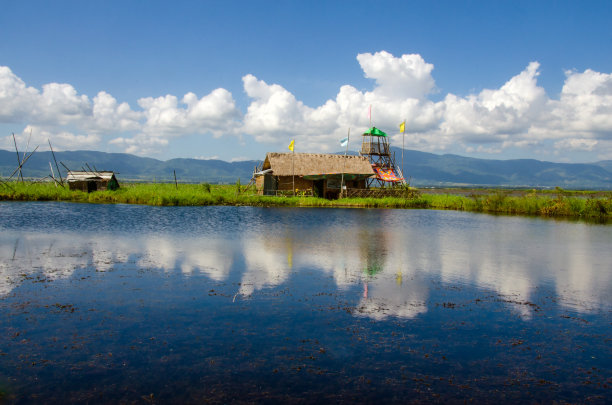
92, 181
320, 173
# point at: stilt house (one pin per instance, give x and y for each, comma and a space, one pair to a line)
321, 174
92, 181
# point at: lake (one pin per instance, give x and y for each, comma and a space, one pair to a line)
138, 304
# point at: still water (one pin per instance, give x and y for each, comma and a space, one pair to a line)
123, 303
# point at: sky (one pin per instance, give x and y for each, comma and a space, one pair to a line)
232, 80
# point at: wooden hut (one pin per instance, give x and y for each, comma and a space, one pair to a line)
92, 181
319, 174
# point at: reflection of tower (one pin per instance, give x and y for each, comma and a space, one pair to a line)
375, 145
373, 251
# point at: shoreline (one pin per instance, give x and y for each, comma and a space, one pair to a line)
592, 205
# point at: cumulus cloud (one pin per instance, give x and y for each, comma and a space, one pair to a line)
72, 120
15, 98
140, 144
408, 76
496, 116
277, 115
108, 115
57, 104
33, 135
216, 113
585, 107
518, 115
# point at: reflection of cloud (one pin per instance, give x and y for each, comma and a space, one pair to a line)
388, 298
583, 277
211, 257
267, 264
56, 256
512, 257
397, 253
27, 254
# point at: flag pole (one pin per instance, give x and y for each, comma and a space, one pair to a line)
292, 169
403, 135
292, 149
348, 139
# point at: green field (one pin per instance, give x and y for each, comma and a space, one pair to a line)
553, 203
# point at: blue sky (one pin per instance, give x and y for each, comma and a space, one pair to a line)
235, 79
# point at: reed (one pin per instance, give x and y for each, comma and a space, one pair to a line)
556, 203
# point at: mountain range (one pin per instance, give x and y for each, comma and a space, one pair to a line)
423, 169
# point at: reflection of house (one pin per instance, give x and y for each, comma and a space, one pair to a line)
92, 181
320, 173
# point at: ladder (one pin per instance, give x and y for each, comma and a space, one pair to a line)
398, 171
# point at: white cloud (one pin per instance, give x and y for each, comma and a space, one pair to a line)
576, 144
16, 100
140, 144
398, 78
517, 115
273, 110
58, 104
110, 116
216, 113
496, 116
33, 135
239, 159
58, 111
276, 116
585, 106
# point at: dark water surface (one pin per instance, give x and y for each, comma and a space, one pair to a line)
135, 304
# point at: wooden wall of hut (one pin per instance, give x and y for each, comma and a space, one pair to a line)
84, 186
87, 186
324, 188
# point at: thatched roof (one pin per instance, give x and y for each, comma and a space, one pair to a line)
84, 176
316, 163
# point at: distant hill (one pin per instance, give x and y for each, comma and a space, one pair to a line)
606, 164
132, 167
428, 169
424, 169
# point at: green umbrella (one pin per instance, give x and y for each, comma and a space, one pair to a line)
374, 132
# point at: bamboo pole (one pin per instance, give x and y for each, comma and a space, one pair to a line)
27, 144
18, 169
19, 164
52, 174
57, 167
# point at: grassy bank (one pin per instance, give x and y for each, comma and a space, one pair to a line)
560, 204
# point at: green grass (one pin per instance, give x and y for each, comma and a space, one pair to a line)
559, 203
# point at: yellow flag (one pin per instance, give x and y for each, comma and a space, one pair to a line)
403, 127
291, 145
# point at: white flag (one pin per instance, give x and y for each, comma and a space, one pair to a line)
344, 142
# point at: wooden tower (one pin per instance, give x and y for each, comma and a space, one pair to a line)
375, 145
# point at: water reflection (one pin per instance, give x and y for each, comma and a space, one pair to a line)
388, 259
